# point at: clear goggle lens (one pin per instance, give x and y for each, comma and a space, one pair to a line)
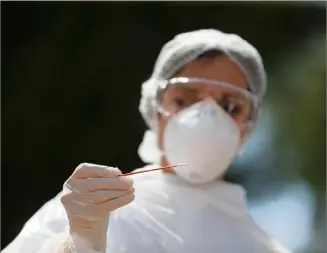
182, 92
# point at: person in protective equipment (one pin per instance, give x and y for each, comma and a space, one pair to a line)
201, 104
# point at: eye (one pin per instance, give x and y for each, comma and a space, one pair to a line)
232, 108
179, 102
183, 102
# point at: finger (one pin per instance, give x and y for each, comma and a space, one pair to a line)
95, 197
98, 197
95, 184
89, 170
92, 211
111, 205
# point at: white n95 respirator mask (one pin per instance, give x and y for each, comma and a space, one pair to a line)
204, 136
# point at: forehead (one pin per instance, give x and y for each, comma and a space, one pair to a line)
219, 68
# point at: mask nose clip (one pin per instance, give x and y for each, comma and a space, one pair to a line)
207, 111
209, 107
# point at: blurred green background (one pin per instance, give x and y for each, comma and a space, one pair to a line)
71, 76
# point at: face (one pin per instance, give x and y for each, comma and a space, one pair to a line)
178, 97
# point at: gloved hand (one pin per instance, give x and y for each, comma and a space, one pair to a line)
90, 194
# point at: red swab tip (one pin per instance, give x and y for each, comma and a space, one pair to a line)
149, 170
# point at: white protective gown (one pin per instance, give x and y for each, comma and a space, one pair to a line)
167, 215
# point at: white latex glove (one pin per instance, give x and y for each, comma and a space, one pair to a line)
90, 194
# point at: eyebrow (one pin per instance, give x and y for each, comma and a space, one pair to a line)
192, 90
186, 88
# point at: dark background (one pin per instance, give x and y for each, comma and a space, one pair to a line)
71, 76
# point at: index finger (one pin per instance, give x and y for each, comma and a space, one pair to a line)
89, 170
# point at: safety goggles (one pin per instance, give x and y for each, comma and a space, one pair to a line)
176, 94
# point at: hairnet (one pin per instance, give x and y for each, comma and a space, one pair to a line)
186, 47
